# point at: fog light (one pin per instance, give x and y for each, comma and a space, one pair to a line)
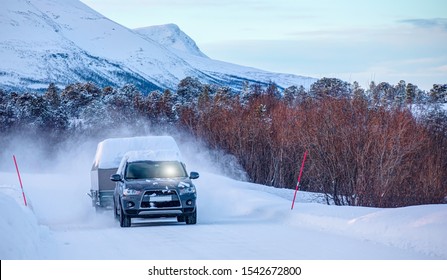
130, 204
189, 202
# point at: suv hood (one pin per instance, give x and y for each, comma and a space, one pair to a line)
158, 183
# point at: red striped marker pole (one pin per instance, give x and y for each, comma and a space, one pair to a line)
20, 179
299, 179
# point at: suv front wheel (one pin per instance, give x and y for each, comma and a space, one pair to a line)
191, 219
116, 214
125, 221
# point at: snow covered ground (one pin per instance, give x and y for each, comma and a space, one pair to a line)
236, 220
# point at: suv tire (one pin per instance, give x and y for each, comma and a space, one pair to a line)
191, 219
116, 215
125, 221
181, 219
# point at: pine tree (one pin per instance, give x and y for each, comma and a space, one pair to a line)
168, 106
330, 87
400, 93
438, 94
273, 91
154, 105
410, 93
7, 115
188, 91
290, 94
383, 94
357, 91
52, 95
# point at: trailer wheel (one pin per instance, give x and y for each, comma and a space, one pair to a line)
99, 209
94, 197
125, 221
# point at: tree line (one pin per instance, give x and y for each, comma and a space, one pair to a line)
385, 146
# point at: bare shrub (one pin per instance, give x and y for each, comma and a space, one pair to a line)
358, 154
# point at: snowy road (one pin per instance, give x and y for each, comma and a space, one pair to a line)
236, 220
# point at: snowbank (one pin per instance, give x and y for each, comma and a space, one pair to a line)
19, 229
417, 229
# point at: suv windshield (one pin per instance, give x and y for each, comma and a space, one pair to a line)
154, 169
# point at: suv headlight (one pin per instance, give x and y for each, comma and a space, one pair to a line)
187, 190
127, 191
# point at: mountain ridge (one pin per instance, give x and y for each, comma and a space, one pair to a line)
62, 42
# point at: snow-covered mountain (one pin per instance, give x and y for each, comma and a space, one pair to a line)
65, 41
171, 37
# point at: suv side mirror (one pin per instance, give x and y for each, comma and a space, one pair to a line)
193, 175
116, 178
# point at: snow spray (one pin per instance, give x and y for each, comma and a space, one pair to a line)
299, 179
20, 180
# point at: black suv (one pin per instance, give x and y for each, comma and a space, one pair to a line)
154, 189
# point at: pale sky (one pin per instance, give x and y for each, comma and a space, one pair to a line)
380, 40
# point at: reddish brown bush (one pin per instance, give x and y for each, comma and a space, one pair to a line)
358, 155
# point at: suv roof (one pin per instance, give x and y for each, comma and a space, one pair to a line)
149, 155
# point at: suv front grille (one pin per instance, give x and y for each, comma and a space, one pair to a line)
160, 199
